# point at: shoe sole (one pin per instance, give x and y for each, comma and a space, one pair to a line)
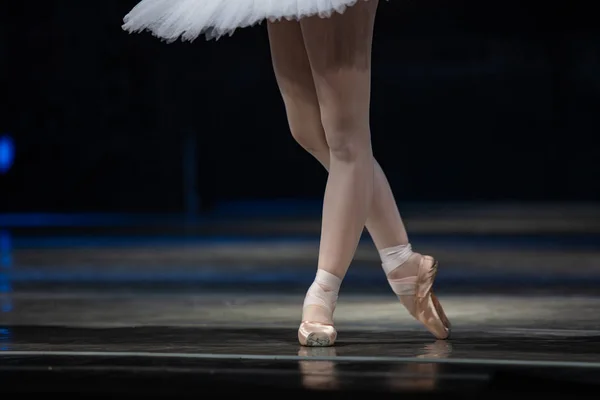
318, 340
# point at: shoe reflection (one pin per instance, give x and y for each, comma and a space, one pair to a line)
421, 376
414, 376
318, 375
437, 349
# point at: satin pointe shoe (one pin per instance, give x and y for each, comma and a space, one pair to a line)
316, 334
416, 294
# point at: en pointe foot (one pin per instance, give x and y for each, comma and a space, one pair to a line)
316, 334
416, 294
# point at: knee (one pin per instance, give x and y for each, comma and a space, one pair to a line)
311, 141
346, 138
308, 133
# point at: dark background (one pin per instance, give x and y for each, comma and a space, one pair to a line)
472, 101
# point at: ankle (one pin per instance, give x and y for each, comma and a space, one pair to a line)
393, 257
321, 298
408, 268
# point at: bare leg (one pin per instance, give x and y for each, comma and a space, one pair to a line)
294, 77
339, 52
331, 95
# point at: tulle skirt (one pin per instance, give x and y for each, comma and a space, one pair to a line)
187, 19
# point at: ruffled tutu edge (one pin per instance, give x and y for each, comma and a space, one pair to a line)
157, 28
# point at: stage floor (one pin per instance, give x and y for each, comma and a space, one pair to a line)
175, 343
199, 318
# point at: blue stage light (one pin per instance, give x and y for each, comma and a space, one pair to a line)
7, 153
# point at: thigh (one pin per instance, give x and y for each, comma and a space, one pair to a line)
292, 68
339, 52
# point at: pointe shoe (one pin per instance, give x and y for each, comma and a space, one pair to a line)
417, 296
316, 334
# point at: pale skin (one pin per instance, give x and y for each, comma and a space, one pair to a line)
323, 69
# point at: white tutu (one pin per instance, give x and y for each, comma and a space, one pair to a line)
188, 19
